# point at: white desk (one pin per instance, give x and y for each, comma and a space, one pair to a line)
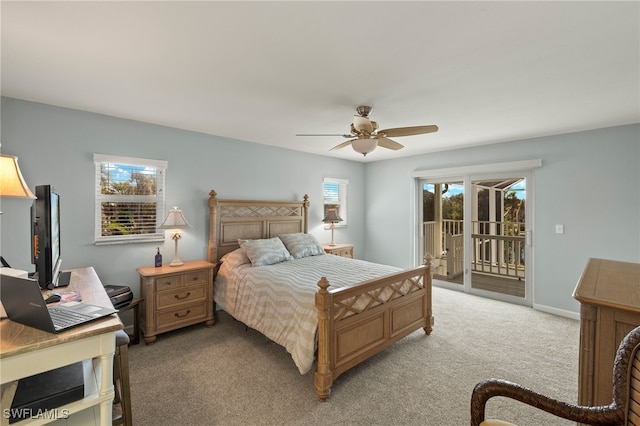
25, 351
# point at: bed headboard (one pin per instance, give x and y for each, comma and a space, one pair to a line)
230, 220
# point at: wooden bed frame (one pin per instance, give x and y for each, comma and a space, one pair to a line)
347, 335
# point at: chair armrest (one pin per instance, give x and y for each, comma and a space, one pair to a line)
483, 391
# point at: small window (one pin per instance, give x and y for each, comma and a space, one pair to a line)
335, 197
129, 200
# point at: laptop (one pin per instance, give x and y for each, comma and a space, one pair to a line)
24, 304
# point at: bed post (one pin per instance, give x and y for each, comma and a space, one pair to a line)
305, 213
427, 284
212, 249
323, 378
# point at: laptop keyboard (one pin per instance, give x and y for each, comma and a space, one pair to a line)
63, 318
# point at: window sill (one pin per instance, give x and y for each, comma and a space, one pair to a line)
154, 239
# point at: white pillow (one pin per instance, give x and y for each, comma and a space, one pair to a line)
301, 245
265, 252
235, 258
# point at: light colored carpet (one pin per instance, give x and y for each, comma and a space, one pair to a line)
226, 375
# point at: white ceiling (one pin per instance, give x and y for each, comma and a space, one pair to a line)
484, 72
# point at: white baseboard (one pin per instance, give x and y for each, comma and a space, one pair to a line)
536, 306
556, 311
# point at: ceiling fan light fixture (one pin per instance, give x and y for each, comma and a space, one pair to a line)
364, 146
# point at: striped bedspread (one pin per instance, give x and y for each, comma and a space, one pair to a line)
278, 300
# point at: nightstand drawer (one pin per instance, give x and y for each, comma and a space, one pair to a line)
347, 252
165, 299
186, 314
171, 281
200, 277
343, 250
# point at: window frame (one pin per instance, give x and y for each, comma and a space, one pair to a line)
159, 198
343, 211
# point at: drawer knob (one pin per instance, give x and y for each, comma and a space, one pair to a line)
183, 297
183, 315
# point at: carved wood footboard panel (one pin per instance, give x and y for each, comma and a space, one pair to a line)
357, 322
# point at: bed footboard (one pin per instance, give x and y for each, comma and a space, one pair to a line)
355, 323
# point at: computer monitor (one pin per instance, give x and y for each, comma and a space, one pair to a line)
45, 236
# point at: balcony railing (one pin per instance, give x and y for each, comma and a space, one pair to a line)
498, 248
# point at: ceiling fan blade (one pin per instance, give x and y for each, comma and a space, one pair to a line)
343, 144
325, 134
388, 143
408, 131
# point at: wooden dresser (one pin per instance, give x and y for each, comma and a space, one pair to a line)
175, 297
609, 294
344, 250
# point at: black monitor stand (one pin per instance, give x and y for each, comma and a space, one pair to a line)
64, 278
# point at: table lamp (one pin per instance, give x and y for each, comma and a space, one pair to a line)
332, 218
12, 183
175, 221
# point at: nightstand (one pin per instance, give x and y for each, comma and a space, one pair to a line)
344, 250
175, 297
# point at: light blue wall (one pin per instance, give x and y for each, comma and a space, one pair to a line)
56, 145
588, 182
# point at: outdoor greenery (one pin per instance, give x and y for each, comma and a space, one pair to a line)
510, 224
453, 208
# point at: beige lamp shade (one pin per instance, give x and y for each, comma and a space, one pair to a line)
12, 183
332, 216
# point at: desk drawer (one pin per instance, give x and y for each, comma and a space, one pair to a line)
166, 299
187, 314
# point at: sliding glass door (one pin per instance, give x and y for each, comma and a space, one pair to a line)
477, 230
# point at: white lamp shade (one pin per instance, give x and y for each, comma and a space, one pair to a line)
12, 183
175, 220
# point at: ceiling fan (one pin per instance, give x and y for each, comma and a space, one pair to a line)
365, 136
